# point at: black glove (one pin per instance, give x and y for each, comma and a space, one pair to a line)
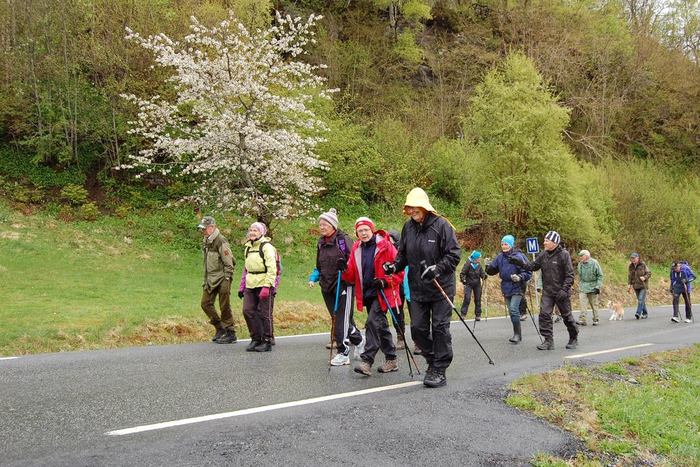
380, 283
429, 274
389, 268
240, 294
562, 295
596, 291
341, 264
514, 260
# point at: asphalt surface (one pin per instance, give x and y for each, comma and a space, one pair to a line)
57, 409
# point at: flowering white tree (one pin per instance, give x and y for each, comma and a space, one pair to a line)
240, 122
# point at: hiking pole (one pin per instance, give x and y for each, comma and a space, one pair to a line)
486, 298
335, 311
409, 354
529, 312
459, 315
688, 302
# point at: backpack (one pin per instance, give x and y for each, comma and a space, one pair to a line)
278, 260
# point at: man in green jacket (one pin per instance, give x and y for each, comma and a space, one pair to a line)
590, 282
218, 270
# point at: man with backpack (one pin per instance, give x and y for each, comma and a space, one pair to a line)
333, 248
682, 277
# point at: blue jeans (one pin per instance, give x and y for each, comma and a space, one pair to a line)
641, 302
513, 303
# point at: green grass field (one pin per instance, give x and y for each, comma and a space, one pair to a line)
137, 280
638, 411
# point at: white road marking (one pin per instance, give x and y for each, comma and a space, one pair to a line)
254, 410
608, 351
8, 358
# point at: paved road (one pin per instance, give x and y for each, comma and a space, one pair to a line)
57, 409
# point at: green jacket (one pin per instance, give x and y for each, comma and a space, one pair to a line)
635, 272
218, 260
590, 276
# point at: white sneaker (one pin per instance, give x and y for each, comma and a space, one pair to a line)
340, 360
687, 320
676, 319
360, 348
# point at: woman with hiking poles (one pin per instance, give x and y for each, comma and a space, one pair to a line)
428, 245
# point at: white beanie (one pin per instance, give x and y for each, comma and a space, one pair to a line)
331, 217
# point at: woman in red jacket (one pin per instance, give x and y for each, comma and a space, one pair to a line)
364, 270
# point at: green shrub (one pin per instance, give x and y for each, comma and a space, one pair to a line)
88, 212
74, 194
659, 213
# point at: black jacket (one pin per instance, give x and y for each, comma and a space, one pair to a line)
434, 241
557, 271
471, 276
327, 255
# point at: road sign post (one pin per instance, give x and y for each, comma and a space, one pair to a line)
533, 247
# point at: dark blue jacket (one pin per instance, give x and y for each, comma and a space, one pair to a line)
504, 269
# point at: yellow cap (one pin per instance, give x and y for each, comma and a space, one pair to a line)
417, 198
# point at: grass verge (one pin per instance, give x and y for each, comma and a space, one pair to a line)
636, 411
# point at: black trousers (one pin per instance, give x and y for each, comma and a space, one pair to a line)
377, 334
686, 301
345, 330
435, 317
468, 290
546, 308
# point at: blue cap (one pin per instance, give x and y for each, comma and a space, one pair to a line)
509, 240
475, 255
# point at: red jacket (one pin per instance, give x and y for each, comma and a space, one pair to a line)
384, 252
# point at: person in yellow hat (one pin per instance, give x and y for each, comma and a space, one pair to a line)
428, 246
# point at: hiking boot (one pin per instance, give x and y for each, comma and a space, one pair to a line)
229, 337
596, 322
417, 350
335, 345
435, 378
645, 315
340, 359
581, 322
517, 335
688, 320
263, 347
364, 368
219, 333
252, 345
389, 366
573, 343
636, 315
477, 318
400, 344
464, 315
676, 319
548, 344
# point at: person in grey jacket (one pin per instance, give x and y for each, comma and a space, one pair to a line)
590, 276
557, 280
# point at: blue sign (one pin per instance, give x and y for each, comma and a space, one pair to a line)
533, 246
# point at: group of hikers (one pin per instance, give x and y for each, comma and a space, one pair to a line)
383, 272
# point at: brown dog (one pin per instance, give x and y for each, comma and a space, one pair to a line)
618, 312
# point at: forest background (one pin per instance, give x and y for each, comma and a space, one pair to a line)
515, 116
